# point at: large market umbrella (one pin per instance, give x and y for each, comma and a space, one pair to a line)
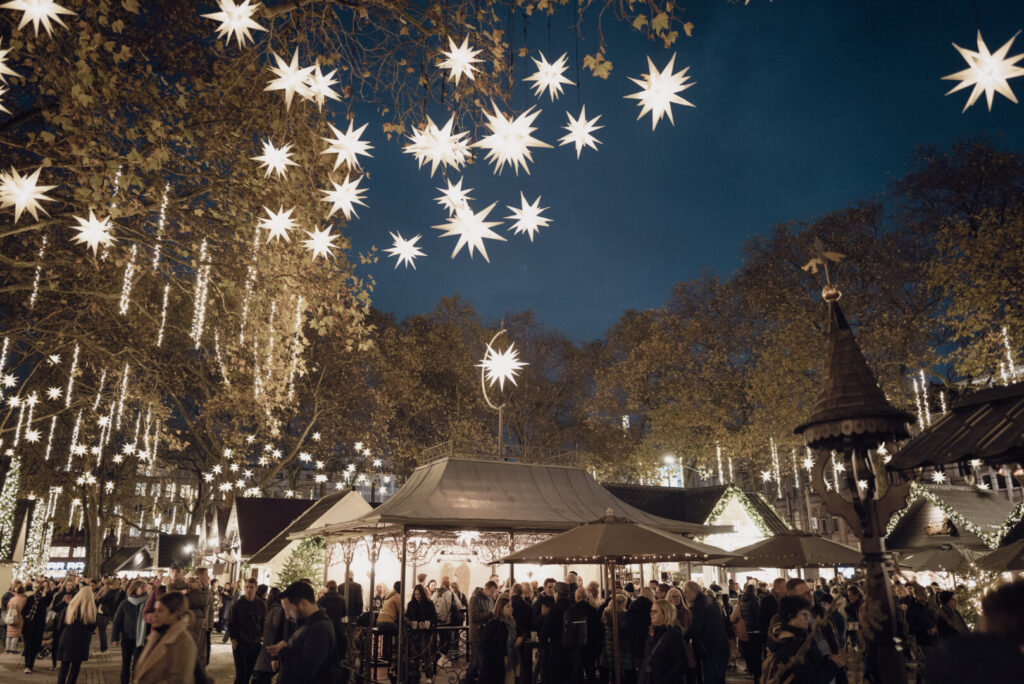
944, 557
612, 541
792, 549
1007, 559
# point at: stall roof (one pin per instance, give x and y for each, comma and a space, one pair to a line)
260, 519
480, 494
339, 505
128, 558
939, 514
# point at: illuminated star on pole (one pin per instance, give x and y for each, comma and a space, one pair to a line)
439, 146
454, 197
93, 232
344, 197
510, 139
321, 243
581, 131
290, 78
236, 20
659, 91
348, 146
549, 76
472, 229
275, 159
38, 12
405, 250
501, 366
989, 73
527, 217
23, 193
318, 86
278, 223
459, 60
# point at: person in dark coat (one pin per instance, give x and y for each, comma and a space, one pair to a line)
333, 604
107, 601
246, 629
79, 624
950, 622
522, 613
664, 660
750, 613
923, 625
422, 616
125, 630
560, 662
584, 609
353, 595
34, 624
61, 598
638, 619
707, 634
768, 606
310, 656
499, 645
792, 655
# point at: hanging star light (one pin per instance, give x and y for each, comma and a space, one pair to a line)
989, 73
53, 359
459, 60
454, 197
290, 78
527, 217
347, 146
472, 229
32, 435
316, 436
659, 90
766, 476
236, 20
53, 393
9, 380
278, 223
93, 232
23, 193
275, 159
501, 366
318, 86
38, 12
581, 131
5, 70
405, 250
549, 76
321, 243
3, 91
938, 477
439, 146
344, 197
510, 139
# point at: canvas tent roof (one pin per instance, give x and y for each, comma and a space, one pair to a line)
335, 507
260, 519
479, 494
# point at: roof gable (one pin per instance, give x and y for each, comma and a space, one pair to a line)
335, 507
977, 516
260, 519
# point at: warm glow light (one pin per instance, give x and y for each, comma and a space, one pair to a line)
454, 197
321, 243
236, 20
528, 217
510, 140
278, 224
290, 78
348, 146
438, 146
658, 91
93, 232
581, 131
275, 159
472, 229
459, 60
549, 76
38, 12
405, 251
344, 197
989, 73
501, 366
24, 193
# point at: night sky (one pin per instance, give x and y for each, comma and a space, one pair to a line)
802, 107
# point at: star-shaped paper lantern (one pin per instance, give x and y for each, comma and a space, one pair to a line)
405, 250
9, 381
236, 20
321, 243
290, 78
5, 70
527, 217
454, 197
989, 73
549, 77
438, 146
500, 367
344, 197
93, 232
659, 91
23, 193
275, 159
348, 146
53, 393
581, 131
278, 224
318, 86
3, 91
472, 229
459, 60
510, 139
38, 12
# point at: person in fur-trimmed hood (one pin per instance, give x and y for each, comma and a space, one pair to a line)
794, 656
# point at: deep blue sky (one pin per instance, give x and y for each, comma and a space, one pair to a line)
803, 107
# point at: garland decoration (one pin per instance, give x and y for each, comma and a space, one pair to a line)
734, 493
992, 538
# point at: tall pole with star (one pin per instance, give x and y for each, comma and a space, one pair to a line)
495, 368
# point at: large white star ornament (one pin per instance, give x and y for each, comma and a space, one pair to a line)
405, 250
3, 91
318, 86
501, 366
275, 159
659, 91
38, 12
527, 217
989, 73
93, 232
510, 139
459, 60
278, 224
236, 20
344, 197
290, 78
439, 146
472, 229
581, 131
5, 70
348, 145
23, 193
321, 243
454, 197
549, 76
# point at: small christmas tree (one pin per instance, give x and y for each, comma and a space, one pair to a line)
305, 562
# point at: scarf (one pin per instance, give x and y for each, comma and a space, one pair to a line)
511, 652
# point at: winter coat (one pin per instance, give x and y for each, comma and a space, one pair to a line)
784, 664
311, 654
493, 650
390, 610
74, 640
625, 644
638, 616
538, 613
523, 616
707, 629
421, 611
353, 599
34, 617
127, 619
921, 619
273, 632
107, 604
664, 657
169, 657
198, 604
480, 608
595, 629
766, 610
750, 607
444, 600
333, 604
17, 603
246, 623
951, 623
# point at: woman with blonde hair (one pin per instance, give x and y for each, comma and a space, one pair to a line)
79, 624
664, 658
170, 652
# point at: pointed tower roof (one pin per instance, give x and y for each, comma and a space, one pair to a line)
851, 409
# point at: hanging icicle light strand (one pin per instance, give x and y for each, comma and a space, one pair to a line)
295, 348
99, 392
126, 286
775, 466
160, 229
718, 454
163, 317
199, 310
124, 392
39, 273
49, 440
71, 377
1006, 345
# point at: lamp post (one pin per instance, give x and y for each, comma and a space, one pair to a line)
495, 368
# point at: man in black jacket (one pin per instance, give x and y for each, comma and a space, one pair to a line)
769, 607
561, 661
589, 654
310, 656
353, 598
333, 604
246, 629
638, 620
707, 632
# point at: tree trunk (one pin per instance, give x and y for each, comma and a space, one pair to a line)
94, 534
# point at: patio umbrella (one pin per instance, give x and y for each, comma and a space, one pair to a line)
792, 549
611, 541
1007, 559
944, 557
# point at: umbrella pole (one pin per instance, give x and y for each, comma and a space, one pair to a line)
615, 622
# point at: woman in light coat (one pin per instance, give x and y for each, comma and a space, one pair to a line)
170, 653
14, 610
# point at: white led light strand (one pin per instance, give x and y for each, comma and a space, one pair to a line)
775, 466
1009, 353
49, 440
71, 378
220, 360
99, 392
295, 348
124, 392
126, 286
160, 229
163, 317
202, 282
718, 453
39, 273
924, 400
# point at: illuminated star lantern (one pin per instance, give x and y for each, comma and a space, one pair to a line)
501, 366
938, 477
23, 193
438, 146
454, 197
348, 146
321, 243
278, 224
93, 232
53, 359
53, 393
318, 86
305, 457
316, 436
233, 467
14, 401
659, 91
808, 463
405, 250
459, 60
549, 77
510, 139
236, 20
472, 230
290, 78
581, 131
766, 476
32, 436
344, 197
5, 70
527, 217
989, 73
3, 91
38, 12
275, 159
208, 477
249, 439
